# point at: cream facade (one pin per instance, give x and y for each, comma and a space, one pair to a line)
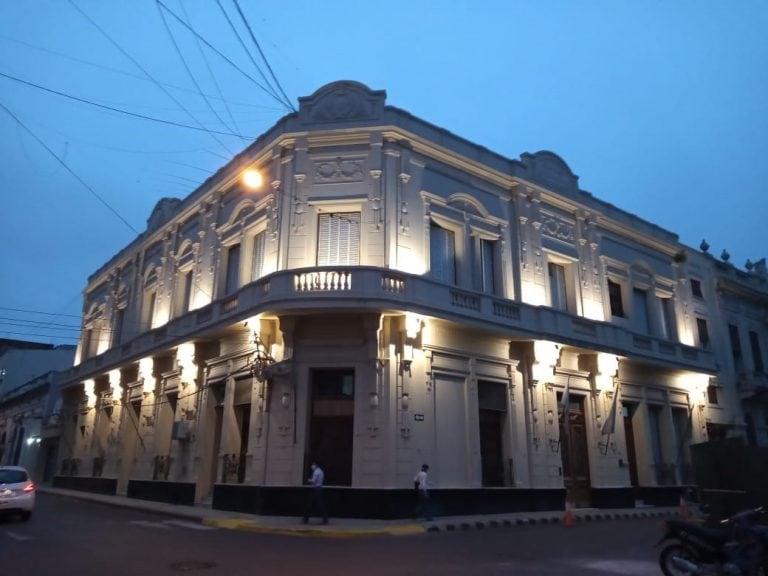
394, 295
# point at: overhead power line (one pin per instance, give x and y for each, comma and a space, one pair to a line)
118, 110
263, 56
221, 55
68, 169
146, 73
38, 312
189, 71
210, 72
248, 52
226, 102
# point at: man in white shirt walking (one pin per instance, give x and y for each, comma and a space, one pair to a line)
316, 499
421, 483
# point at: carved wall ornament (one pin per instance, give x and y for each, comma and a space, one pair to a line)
339, 171
557, 228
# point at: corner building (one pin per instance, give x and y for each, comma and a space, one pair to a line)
392, 295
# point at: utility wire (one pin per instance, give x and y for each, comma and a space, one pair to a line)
118, 110
146, 73
66, 166
248, 52
211, 73
263, 56
218, 52
131, 75
38, 312
189, 71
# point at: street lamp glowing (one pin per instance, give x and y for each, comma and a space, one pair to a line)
252, 179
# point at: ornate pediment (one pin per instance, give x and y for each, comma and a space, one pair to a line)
164, 210
343, 101
549, 170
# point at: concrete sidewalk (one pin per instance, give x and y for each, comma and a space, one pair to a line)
355, 527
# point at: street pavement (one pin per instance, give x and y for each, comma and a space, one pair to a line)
356, 527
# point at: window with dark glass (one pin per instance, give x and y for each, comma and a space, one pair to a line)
614, 295
442, 254
558, 293
232, 280
712, 394
703, 329
733, 332
667, 318
640, 310
696, 288
117, 327
150, 298
757, 354
487, 262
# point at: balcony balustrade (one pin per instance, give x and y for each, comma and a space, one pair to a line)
372, 289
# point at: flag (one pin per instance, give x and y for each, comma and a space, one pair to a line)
565, 400
609, 426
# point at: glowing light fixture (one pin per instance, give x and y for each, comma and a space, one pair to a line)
252, 179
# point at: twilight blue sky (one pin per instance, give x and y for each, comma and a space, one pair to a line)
660, 107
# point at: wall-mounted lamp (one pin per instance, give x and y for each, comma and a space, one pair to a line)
550, 417
285, 400
373, 400
262, 359
407, 359
535, 415
404, 401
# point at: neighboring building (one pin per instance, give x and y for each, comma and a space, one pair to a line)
742, 299
394, 295
28, 393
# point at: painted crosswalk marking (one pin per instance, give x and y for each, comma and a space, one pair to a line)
189, 524
170, 524
148, 524
19, 537
628, 567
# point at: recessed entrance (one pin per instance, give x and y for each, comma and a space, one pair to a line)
331, 426
573, 448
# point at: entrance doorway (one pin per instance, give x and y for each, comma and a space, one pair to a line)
331, 426
574, 452
629, 434
492, 402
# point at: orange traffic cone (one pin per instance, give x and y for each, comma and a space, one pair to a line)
568, 519
684, 513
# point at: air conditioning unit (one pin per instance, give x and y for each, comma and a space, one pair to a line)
180, 430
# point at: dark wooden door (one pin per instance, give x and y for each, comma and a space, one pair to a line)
331, 428
629, 435
574, 452
492, 463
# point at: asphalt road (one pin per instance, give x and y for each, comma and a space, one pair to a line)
72, 537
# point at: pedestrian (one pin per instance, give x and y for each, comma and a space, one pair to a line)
421, 484
316, 498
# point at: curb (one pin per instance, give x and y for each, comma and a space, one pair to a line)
528, 521
250, 526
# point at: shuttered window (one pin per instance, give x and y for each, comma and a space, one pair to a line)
442, 254
338, 242
257, 263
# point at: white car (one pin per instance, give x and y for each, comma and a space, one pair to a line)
17, 492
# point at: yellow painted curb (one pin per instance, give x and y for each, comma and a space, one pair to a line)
250, 526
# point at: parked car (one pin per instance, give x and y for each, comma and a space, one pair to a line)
17, 492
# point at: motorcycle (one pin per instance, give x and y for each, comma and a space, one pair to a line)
737, 547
